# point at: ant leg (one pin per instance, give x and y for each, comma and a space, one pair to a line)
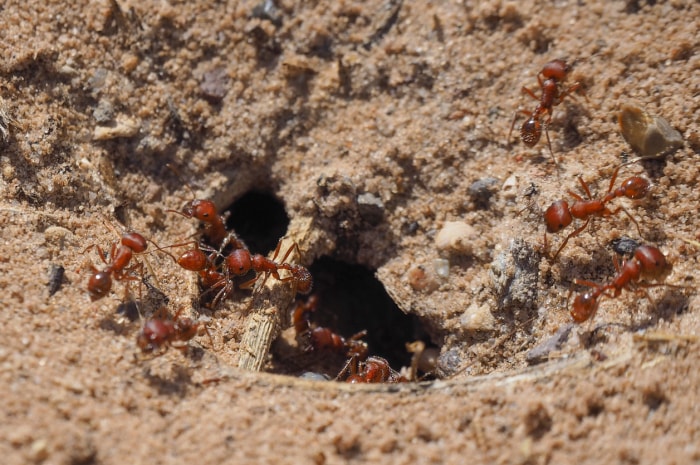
549, 144
612, 180
352, 367
585, 188
525, 90
573, 234
100, 252
248, 284
617, 210
570, 91
576, 196
515, 118
584, 282
294, 247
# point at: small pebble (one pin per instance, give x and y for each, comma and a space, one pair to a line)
371, 208
215, 84
122, 128
456, 236
650, 136
481, 192
421, 280
442, 267
55, 278
477, 318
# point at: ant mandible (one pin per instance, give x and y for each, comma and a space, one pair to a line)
554, 73
647, 261
158, 334
100, 282
559, 215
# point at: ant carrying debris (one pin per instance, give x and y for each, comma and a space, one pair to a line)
559, 215
158, 334
552, 74
646, 262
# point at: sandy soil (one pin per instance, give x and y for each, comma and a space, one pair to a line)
372, 126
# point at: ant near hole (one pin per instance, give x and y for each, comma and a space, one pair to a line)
240, 262
549, 78
560, 215
646, 262
373, 370
157, 334
312, 337
205, 211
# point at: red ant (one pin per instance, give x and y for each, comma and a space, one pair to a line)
240, 261
647, 261
158, 333
320, 338
554, 73
372, 370
100, 282
205, 211
559, 215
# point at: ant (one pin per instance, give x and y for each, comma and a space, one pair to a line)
100, 282
240, 262
158, 333
205, 211
320, 338
559, 215
647, 261
373, 370
552, 74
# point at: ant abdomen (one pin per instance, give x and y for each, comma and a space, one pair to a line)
99, 284
558, 216
651, 259
635, 188
531, 132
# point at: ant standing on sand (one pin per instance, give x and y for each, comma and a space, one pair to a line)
100, 282
549, 78
647, 261
158, 334
559, 215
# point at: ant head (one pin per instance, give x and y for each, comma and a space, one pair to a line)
203, 210
557, 216
99, 285
135, 242
193, 260
556, 69
239, 262
531, 131
584, 306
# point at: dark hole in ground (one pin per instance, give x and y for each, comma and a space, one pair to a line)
351, 299
259, 219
